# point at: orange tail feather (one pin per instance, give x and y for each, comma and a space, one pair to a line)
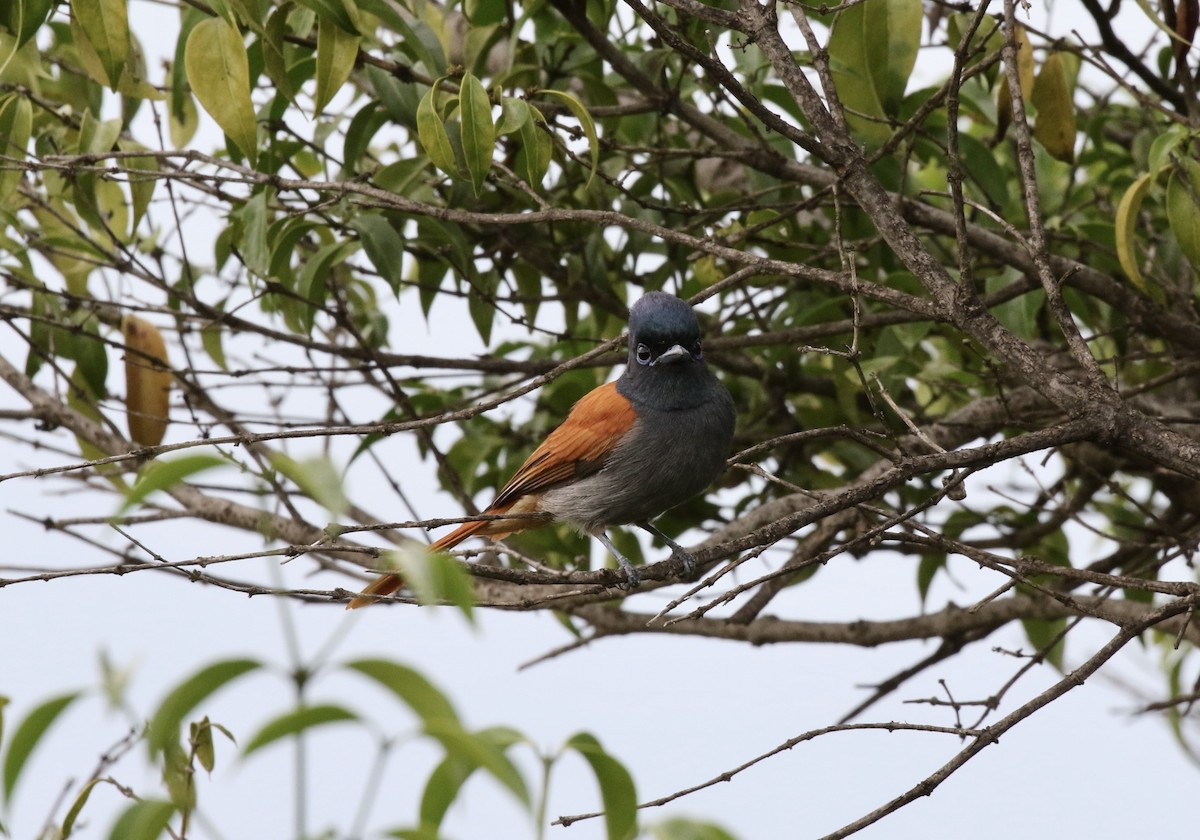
384, 585
387, 584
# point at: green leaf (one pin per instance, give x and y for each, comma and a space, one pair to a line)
927, 569
872, 51
178, 776
585, 119
435, 578
1183, 208
251, 13
317, 478
284, 235
337, 50
447, 779
684, 829
182, 125
201, 736
81, 799
981, 166
253, 219
163, 732
362, 129
441, 789
485, 12
481, 751
1019, 314
481, 303
224, 10
852, 50
212, 337
24, 18
165, 474
342, 12
1152, 14
145, 820
478, 131
383, 244
425, 51
105, 24
514, 113
273, 41
141, 186
16, 122
1126, 227
411, 687
893, 32
99, 137
294, 723
27, 735
616, 787
218, 71
1041, 632
312, 283
1165, 148
432, 132
537, 149
420, 833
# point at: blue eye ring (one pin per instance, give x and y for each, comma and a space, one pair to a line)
643, 355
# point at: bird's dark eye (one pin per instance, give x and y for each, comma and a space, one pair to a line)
697, 353
644, 355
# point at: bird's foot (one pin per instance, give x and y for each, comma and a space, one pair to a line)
688, 560
678, 552
632, 578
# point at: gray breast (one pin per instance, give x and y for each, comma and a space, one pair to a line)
667, 457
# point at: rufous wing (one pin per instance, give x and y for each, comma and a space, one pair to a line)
578, 447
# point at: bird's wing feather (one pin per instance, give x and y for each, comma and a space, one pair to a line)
580, 445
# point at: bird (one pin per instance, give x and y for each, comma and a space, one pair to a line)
627, 451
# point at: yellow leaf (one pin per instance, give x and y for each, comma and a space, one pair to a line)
104, 25
1024, 61
580, 113
337, 51
1024, 75
219, 74
81, 399
1126, 223
147, 381
1055, 128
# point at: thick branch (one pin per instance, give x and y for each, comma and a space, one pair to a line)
946, 623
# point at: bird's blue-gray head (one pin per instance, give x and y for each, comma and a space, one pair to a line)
662, 330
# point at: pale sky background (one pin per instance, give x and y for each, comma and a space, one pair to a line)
676, 711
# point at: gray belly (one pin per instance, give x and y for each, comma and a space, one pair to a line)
668, 457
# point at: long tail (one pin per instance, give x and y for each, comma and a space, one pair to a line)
387, 584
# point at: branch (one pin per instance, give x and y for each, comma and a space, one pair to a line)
813, 734
948, 622
991, 734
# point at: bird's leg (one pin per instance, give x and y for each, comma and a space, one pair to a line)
685, 556
632, 578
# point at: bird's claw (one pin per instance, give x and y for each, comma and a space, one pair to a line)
632, 579
689, 563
